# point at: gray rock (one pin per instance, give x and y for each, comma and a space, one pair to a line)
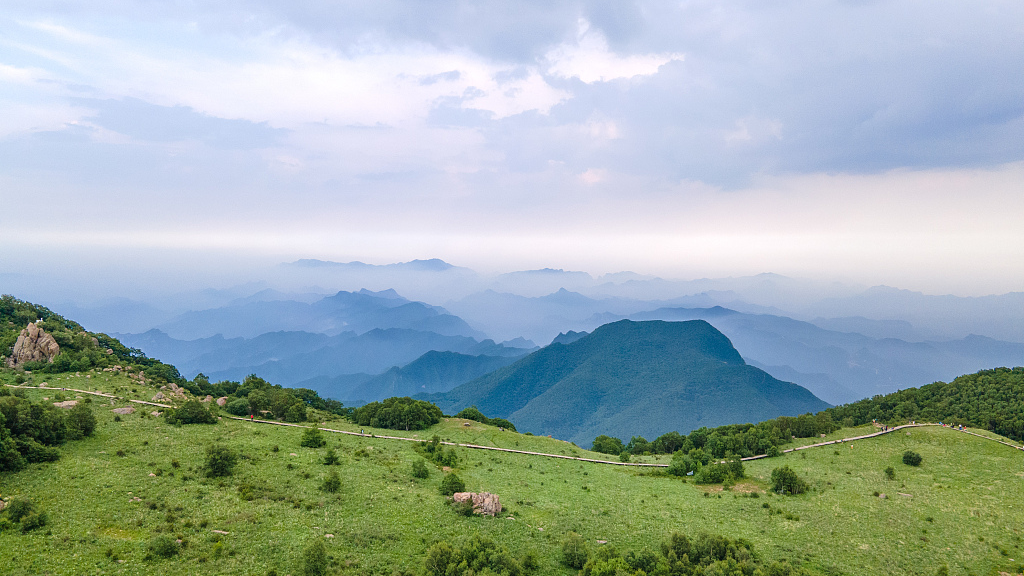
33, 345
483, 502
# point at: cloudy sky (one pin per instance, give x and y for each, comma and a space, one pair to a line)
880, 141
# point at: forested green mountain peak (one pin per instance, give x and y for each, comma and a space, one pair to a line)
632, 378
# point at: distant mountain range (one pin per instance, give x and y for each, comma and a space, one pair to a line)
296, 358
343, 312
631, 378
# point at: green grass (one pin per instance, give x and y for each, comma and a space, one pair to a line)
383, 519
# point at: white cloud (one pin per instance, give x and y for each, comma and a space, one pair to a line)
590, 60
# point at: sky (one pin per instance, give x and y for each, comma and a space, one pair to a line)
881, 142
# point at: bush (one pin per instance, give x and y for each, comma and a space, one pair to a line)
18, 508
911, 458
192, 412
785, 481
419, 469
623, 456
773, 451
220, 461
34, 520
480, 555
890, 473
81, 419
681, 464
452, 484
314, 559
574, 551
312, 438
332, 483
331, 458
164, 546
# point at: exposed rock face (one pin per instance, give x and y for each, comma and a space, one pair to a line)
483, 502
67, 404
158, 397
33, 345
124, 411
223, 400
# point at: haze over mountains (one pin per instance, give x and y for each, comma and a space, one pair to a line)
367, 335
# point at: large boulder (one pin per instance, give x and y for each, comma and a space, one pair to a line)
33, 345
483, 502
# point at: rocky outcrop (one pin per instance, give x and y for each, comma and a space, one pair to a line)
126, 410
67, 404
222, 401
483, 502
33, 345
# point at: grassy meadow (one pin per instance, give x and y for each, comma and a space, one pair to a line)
110, 494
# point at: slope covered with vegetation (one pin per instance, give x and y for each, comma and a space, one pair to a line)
989, 399
632, 378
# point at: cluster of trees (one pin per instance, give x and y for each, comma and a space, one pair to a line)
706, 470
479, 555
679, 556
79, 350
398, 414
30, 431
989, 399
258, 397
741, 440
472, 413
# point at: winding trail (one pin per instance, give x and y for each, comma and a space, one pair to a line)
544, 454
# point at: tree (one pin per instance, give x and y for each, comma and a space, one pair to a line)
785, 481
608, 445
82, 419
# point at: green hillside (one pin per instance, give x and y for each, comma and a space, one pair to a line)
114, 498
632, 379
989, 399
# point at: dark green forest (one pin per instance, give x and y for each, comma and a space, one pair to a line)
990, 399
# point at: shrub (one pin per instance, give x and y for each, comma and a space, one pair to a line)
773, 451
164, 546
419, 469
332, 483
18, 508
314, 559
452, 484
34, 520
574, 551
890, 473
785, 481
192, 412
331, 458
464, 508
81, 419
312, 438
220, 461
480, 555
911, 458
623, 456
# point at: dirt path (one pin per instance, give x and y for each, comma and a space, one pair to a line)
612, 462
560, 456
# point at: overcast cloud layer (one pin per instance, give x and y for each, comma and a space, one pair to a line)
876, 140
